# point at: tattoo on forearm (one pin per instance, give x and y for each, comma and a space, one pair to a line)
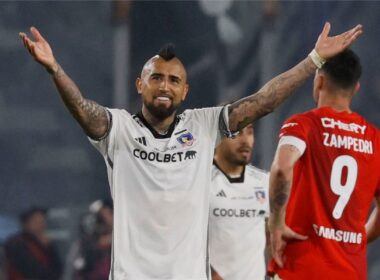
271, 95
279, 200
90, 115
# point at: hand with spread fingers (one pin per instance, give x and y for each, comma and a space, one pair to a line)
328, 47
39, 49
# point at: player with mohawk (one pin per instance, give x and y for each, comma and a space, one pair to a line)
159, 163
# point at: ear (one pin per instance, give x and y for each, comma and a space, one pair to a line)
319, 81
357, 87
185, 91
138, 84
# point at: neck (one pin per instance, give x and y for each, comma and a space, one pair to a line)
160, 125
340, 103
229, 168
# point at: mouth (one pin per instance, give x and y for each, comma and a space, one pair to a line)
163, 100
244, 151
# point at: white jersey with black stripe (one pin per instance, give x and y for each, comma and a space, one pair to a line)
160, 187
238, 209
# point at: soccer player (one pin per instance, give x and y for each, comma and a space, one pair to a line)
159, 163
239, 206
322, 181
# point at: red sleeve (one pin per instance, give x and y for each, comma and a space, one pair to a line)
294, 126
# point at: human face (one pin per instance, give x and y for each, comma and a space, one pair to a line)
162, 86
36, 224
106, 215
238, 150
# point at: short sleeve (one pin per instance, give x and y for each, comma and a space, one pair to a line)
294, 132
106, 144
210, 117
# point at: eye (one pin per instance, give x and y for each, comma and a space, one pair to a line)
175, 80
156, 77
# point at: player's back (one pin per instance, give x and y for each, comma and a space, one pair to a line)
334, 183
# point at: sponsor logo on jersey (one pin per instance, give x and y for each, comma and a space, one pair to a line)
141, 140
260, 196
352, 127
338, 235
190, 155
238, 213
242, 197
164, 157
221, 194
291, 124
186, 139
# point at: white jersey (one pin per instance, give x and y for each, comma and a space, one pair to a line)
239, 207
160, 188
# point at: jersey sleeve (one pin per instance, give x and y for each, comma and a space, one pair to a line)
210, 118
106, 145
294, 132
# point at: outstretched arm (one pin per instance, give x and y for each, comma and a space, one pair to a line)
279, 188
273, 93
373, 225
91, 116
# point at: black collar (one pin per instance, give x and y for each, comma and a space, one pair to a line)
168, 134
239, 179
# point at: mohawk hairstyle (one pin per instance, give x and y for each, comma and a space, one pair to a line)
167, 52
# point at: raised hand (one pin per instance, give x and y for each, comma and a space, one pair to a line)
328, 47
39, 49
279, 237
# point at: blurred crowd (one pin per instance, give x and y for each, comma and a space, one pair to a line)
32, 253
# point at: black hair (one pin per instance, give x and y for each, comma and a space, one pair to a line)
29, 213
167, 52
344, 70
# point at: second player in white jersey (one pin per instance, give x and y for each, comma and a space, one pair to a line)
239, 208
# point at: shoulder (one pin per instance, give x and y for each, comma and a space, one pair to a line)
257, 173
201, 112
119, 112
301, 118
14, 240
215, 171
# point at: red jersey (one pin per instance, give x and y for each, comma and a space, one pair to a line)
334, 183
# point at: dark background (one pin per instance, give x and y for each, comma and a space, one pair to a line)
230, 49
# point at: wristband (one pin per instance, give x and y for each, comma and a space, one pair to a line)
317, 59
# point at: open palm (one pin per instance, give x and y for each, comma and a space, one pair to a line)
328, 47
39, 49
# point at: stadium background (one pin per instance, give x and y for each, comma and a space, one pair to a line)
230, 49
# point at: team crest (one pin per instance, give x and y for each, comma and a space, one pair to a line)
260, 196
186, 139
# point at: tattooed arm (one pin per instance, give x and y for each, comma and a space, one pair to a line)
272, 94
91, 116
279, 189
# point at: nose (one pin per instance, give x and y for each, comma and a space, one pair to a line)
164, 85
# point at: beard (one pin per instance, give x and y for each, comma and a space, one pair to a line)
238, 159
161, 112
